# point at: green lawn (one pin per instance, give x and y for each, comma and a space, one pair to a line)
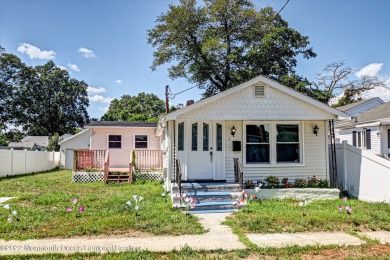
275, 216
41, 202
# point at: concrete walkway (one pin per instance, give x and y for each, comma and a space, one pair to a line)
217, 236
304, 239
5, 199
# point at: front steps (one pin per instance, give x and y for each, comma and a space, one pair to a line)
210, 197
118, 175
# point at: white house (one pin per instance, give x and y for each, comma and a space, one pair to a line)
369, 130
270, 128
67, 146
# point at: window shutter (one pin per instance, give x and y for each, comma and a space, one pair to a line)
388, 138
354, 138
259, 91
368, 139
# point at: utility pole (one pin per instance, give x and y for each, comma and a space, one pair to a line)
166, 99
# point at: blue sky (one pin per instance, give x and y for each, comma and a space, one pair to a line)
104, 42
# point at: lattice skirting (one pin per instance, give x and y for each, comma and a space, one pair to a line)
152, 176
87, 176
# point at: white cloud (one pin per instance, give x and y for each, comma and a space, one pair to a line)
103, 109
35, 53
92, 90
370, 70
73, 67
99, 98
87, 53
382, 92
118, 81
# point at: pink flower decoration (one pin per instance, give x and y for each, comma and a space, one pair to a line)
74, 201
81, 209
253, 197
340, 208
345, 198
68, 209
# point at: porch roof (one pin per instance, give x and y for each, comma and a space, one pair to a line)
173, 115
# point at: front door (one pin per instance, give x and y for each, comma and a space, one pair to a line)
201, 151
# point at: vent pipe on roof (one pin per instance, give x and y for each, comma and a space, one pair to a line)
190, 102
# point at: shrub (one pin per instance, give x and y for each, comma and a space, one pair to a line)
323, 183
273, 181
313, 182
93, 170
300, 183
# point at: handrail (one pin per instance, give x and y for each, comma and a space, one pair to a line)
131, 167
178, 175
106, 166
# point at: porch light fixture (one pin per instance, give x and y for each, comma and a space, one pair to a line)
233, 131
315, 130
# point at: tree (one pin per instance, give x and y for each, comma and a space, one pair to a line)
53, 144
226, 42
52, 102
12, 73
140, 108
336, 78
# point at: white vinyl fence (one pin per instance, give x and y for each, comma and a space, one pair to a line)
363, 174
18, 162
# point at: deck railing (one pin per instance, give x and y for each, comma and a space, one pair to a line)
106, 166
146, 160
83, 159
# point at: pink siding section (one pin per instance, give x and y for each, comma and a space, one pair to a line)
121, 157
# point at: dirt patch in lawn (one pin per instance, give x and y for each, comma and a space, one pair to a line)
120, 234
354, 252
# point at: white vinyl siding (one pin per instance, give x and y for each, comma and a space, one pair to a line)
314, 152
81, 141
346, 135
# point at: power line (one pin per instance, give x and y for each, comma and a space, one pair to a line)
172, 96
283, 6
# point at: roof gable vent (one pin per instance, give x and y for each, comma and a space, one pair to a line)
259, 91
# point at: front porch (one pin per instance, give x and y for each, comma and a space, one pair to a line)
100, 161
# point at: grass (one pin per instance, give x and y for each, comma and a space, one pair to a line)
276, 216
294, 252
41, 202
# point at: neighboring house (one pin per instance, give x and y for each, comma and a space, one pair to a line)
267, 126
120, 138
361, 106
33, 143
78, 141
369, 130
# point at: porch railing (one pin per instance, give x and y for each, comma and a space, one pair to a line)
106, 166
178, 175
83, 159
146, 160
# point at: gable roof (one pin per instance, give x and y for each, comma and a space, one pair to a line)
377, 113
120, 124
38, 140
24, 145
356, 104
173, 115
73, 136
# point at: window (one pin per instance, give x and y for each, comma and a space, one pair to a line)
180, 145
287, 143
273, 144
257, 144
194, 143
205, 137
115, 142
141, 142
354, 138
368, 139
219, 137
